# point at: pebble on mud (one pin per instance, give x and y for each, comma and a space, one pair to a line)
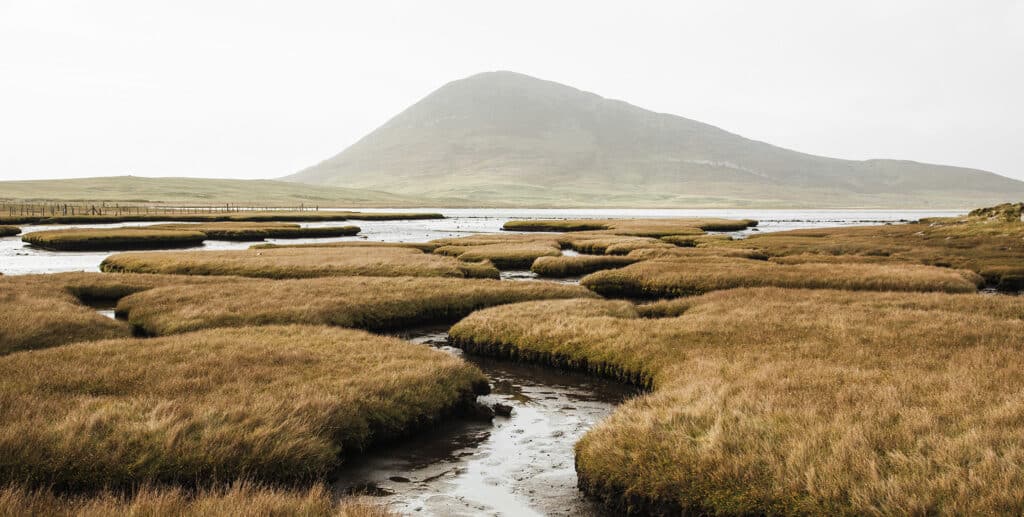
501, 409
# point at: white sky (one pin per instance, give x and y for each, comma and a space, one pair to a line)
252, 89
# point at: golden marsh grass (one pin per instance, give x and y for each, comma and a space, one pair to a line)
374, 303
236, 499
274, 404
992, 247
300, 263
612, 244
42, 311
561, 267
780, 401
9, 231
634, 227
80, 239
30, 319
514, 255
251, 231
660, 278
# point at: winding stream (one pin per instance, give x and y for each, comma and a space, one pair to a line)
522, 464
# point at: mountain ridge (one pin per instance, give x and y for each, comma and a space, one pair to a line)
510, 138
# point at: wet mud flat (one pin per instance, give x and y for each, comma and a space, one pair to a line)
521, 464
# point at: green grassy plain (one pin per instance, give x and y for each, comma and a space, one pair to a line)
129, 189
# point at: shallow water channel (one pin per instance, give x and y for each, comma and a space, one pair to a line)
522, 464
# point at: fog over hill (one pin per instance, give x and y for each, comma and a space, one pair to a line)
508, 138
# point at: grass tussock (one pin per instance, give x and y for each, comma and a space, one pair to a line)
696, 253
504, 256
613, 244
634, 227
300, 263
561, 267
373, 303
779, 401
660, 278
275, 404
990, 246
692, 241
669, 308
235, 499
80, 239
9, 231
250, 231
42, 311
31, 320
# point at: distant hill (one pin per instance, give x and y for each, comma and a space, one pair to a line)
507, 138
196, 190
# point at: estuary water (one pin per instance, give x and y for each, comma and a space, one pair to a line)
18, 258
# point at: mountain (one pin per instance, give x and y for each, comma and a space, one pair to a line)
508, 138
196, 190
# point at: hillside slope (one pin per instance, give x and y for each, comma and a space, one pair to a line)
502, 137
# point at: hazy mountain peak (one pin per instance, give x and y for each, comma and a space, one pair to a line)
508, 137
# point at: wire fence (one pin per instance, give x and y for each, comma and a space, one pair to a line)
119, 209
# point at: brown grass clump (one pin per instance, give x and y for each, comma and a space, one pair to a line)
236, 231
505, 251
776, 401
8, 231
989, 246
271, 404
612, 244
660, 278
30, 319
236, 499
665, 308
561, 267
503, 256
690, 241
300, 263
104, 287
373, 303
693, 253
635, 227
78, 239
42, 311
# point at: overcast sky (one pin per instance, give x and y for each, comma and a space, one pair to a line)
253, 89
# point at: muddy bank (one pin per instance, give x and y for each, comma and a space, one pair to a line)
522, 464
